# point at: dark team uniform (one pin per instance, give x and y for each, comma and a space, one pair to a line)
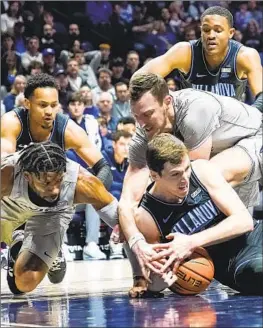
238, 262
223, 81
56, 136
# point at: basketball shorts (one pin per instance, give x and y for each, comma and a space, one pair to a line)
248, 191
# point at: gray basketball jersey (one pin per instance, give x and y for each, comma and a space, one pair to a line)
199, 115
18, 208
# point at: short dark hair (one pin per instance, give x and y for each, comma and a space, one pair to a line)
221, 11
120, 84
164, 148
118, 134
42, 157
104, 70
75, 96
41, 80
141, 83
34, 64
127, 120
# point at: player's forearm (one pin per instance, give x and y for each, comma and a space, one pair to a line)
231, 227
126, 219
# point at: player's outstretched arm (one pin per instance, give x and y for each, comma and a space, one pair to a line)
248, 61
179, 56
10, 130
7, 177
238, 220
90, 190
76, 138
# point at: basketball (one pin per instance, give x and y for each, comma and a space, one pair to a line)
194, 274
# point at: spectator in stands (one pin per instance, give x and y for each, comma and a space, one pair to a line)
74, 78
99, 12
242, 17
104, 134
256, 13
49, 59
105, 55
12, 16
189, 34
117, 68
32, 53
35, 68
88, 123
48, 39
252, 37
126, 12
85, 70
10, 67
7, 44
171, 84
104, 104
19, 38
117, 157
18, 87
88, 102
121, 106
127, 124
73, 33
64, 90
132, 64
104, 85
56, 26
238, 36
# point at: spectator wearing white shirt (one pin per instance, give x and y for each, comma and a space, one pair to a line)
104, 85
32, 53
12, 16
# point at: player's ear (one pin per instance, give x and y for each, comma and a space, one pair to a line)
27, 176
154, 175
232, 32
27, 104
167, 100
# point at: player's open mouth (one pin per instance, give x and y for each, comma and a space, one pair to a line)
211, 45
183, 187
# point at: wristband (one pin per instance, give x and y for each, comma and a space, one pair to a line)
135, 238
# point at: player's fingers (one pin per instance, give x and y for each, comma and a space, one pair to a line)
146, 273
160, 246
168, 263
153, 268
176, 265
161, 255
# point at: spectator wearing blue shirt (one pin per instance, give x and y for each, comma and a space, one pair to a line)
105, 103
17, 88
117, 157
121, 106
88, 102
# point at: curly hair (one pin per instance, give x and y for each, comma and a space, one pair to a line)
41, 80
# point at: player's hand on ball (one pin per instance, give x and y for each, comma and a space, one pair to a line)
176, 251
144, 253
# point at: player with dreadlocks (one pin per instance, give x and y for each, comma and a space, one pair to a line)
40, 121
40, 188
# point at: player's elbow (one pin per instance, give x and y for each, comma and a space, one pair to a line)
248, 224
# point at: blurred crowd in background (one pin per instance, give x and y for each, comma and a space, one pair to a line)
92, 48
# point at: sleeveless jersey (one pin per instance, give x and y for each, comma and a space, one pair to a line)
57, 133
197, 212
224, 81
40, 219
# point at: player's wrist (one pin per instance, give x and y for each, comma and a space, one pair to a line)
134, 239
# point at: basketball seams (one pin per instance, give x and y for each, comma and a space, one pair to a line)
197, 273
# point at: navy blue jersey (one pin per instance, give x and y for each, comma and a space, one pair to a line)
222, 81
57, 133
196, 212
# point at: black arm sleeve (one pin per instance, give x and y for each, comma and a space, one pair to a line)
103, 172
259, 102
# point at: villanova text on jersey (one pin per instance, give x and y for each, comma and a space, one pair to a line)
224, 81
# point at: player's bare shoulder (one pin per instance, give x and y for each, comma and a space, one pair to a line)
10, 124
181, 56
246, 58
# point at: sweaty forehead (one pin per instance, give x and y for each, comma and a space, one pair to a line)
47, 94
212, 20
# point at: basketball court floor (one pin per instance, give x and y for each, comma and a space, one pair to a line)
94, 294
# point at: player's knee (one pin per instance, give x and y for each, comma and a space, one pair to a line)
29, 270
